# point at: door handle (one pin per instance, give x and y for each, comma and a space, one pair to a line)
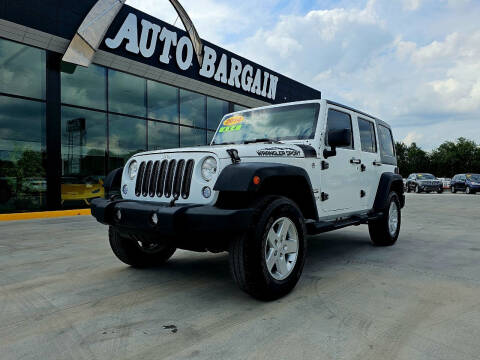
377, 163
355, 161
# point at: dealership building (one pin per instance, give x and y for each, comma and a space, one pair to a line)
63, 127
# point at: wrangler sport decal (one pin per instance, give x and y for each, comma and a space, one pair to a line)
278, 151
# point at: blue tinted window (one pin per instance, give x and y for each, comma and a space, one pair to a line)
22, 70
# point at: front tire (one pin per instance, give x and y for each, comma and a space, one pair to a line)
385, 231
137, 254
453, 190
468, 190
268, 260
417, 189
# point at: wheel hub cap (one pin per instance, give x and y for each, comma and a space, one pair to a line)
281, 250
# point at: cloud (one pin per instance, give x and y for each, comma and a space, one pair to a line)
414, 63
412, 137
367, 57
411, 5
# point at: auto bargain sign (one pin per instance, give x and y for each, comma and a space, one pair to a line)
143, 38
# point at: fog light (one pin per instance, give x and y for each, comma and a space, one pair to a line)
154, 218
125, 189
206, 192
118, 215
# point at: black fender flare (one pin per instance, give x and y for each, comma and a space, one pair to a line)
388, 181
239, 178
113, 181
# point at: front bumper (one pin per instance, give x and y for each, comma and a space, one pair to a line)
431, 187
176, 221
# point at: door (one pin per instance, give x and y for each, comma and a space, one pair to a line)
340, 182
371, 164
461, 183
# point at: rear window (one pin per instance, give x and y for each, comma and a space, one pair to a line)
386, 141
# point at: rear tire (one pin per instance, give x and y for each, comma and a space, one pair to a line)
385, 231
468, 190
138, 255
267, 262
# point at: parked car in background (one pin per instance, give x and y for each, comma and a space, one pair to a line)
446, 182
470, 183
82, 189
423, 182
35, 185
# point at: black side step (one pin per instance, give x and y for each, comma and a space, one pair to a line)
314, 228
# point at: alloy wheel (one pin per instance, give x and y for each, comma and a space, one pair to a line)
281, 250
393, 218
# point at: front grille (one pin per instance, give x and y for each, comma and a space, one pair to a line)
165, 178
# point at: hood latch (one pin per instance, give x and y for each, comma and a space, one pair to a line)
234, 156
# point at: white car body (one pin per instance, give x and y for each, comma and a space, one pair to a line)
350, 182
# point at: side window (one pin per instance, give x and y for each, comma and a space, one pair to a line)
367, 135
338, 120
386, 141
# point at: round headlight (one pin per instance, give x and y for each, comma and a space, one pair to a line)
209, 168
133, 169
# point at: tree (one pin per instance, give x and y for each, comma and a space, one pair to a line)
448, 159
401, 151
411, 159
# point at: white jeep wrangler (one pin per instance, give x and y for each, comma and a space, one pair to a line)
270, 177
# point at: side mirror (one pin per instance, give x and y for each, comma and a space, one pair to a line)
337, 138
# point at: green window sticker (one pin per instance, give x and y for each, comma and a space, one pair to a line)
230, 128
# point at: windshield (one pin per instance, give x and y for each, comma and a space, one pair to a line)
426, 177
289, 122
474, 177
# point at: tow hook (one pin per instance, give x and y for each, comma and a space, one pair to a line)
174, 200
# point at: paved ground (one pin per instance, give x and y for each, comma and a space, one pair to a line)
63, 295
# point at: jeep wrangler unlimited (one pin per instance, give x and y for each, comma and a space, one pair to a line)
270, 177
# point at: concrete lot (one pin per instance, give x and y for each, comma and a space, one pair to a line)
63, 295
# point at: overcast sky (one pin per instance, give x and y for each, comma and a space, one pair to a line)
414, 63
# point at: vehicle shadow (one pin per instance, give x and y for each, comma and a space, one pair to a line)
323, 250
341, 244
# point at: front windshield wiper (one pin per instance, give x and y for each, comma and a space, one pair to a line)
225, 143
262, 140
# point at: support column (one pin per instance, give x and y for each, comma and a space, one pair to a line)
53, 131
